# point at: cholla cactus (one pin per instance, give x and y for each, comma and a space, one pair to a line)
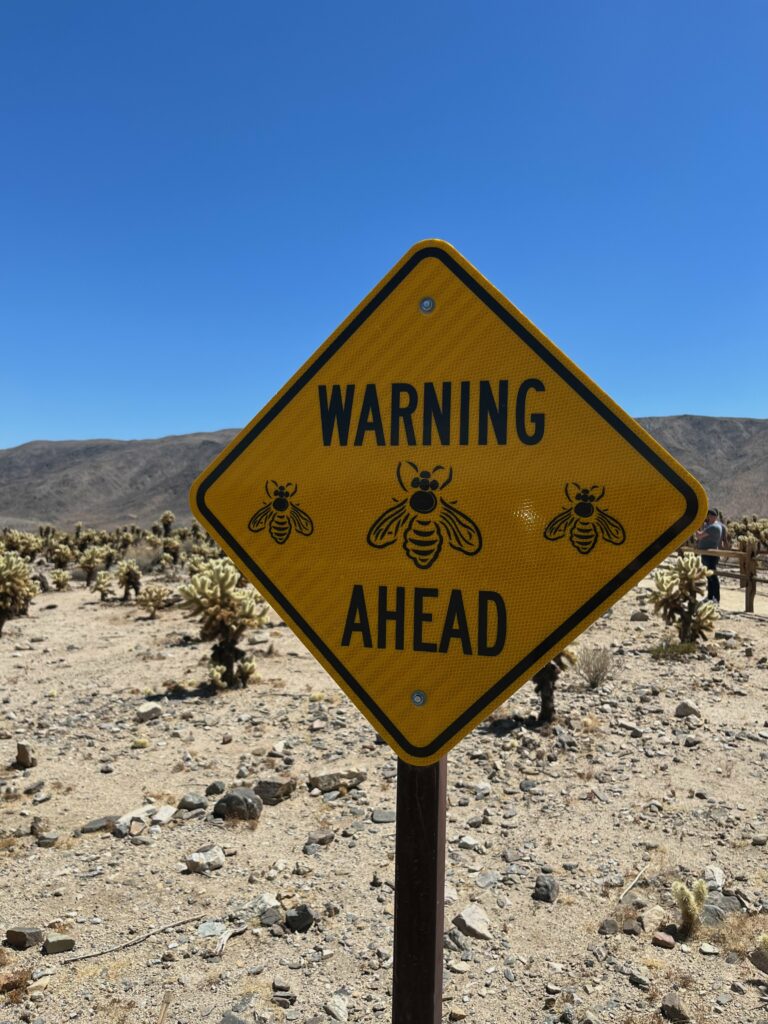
167, 519
25, 544
129, 578
90, 562
61, 555
153, 597
690, 903
60, 579
103, 584
226, 611
173, 548
17, 588
545, 680
677, 594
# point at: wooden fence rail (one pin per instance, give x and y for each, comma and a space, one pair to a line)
749, 563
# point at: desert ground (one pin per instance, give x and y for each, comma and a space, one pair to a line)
656, 775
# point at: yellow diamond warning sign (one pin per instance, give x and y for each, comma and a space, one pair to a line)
438, 501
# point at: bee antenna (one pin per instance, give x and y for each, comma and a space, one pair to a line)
294, 486
600, 495
568, 490
413, 466
450, 475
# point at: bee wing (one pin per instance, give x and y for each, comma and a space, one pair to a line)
260, 519
301, 521
558, 526
610, 528
462, 532
388, 525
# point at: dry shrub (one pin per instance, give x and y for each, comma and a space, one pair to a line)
14, 985
593, 665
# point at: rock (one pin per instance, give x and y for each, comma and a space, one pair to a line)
759, 959
58, 942
686, 709
610, 926
45, 840
163, 814
336, 1007
25, 755
382, 816
714, 876
241, 803
712, 915
663, 940
99, 824
193, 802
473, 921
300, 919
639, 616
230, 1017
672, 1008
639, 981
654, 917
208, 858
149, 711
276, 789
708, 950
632, 926
546, 888
321, 837
344, 778
123, 826
215, 788
266, 909
23, 938
211, 929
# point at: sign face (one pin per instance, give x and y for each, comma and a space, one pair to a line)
438, 501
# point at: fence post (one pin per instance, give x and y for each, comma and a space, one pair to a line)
750, 577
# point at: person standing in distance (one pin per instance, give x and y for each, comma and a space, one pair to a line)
708, 539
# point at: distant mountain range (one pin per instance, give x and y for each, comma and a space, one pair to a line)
109, 483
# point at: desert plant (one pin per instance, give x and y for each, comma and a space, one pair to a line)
129, 578
61, 555
593, 665
60, 579
167, 519
25, 544
91, 561
17, 588
689, 903
677, 597
173, 548
152, 598
103, 585
226, 610
544, 681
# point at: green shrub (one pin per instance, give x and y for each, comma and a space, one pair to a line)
129, 578
677, 594
690, 903
60, 579
152, 598
225, 610
17, 588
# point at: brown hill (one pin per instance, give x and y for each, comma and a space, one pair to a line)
107, 483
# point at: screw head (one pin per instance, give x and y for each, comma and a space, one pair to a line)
419, 698
427, 304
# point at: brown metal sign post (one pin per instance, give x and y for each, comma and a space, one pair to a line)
417, 976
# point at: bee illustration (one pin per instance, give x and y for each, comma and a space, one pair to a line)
425, 518
585, 521
280, 514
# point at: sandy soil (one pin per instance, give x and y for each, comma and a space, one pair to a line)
619, 786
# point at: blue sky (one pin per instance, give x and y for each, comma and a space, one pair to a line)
193, 194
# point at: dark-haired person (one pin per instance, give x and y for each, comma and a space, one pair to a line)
708, 539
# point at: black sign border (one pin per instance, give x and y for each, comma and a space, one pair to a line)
551, 643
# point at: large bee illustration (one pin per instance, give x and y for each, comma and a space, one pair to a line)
584, 522
425, 519
280, 514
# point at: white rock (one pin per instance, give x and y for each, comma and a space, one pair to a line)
473, 921
336, 1006
148, 711
209, 858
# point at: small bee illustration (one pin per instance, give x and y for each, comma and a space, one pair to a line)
426, 519
585, 520
280, 514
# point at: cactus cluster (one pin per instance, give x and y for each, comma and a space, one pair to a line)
749, 530
225, 610
677, 597
17, 587
129, 578
689, 903
152, 598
